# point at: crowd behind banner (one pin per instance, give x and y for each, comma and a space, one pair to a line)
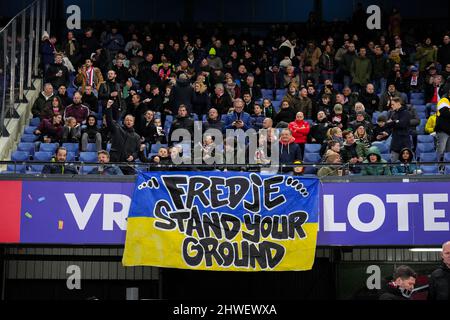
362, 97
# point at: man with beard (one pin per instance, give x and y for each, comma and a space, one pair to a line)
110, 90
57, 73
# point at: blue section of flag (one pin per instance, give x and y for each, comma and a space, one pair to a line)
293, 193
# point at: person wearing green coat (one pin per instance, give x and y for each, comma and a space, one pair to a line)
374, 156
352, 152
426, 54
361, 69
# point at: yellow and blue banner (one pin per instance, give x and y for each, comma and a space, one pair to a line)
223, 221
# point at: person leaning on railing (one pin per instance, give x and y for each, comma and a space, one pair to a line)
60, 167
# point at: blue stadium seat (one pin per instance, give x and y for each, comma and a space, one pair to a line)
71, 156
425, 147
35, 122
415, 102
71, 91
420, 108
447, 169
276, 105
26, 146
280, 97
417, 95
382, 146
375, 116
88, 156
29, 138
447, 157
86, 169
108, 147
280, 92
48, 147
428, 157
312, 148
423, 122
422, 115
425, 138
267, 93
169, 119
386, 157
91, 147
18, 156
194, 116
72, 147
312, 158
40, 156
430, 170
29, 129
420, 130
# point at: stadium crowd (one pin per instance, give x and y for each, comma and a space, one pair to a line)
333, 98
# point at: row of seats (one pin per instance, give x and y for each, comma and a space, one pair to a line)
32, 147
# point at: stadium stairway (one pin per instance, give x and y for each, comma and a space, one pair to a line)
16, 126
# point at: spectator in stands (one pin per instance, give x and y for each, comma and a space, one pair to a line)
305, 104
336, 170
285, 116
426, 53
231, 87
362, 136
89, 44
71, 48
182, 121
405, 165
380, 132
77, 110
47, 50
53, 106
57, 73
292, 96
147, 129
268, 109
221, 100
435, 90
114, 42
91, 134
326, 64
274, 78
361, 70
430, 125
64, 96
50, 130
442, 127
160, 134
214, 61
248, 103
289, 150
137, 110
182, 92
335, 134
318, 132
213, 121
71, 131
370, 99
344, 102
250, 87
443, 54
440, 278
374, 157
238, 119
60, 167
338, 118
361, 121
325, 104
90, 100
121, 71
291, 77
105, 168
111, 90
125, 141
353, 152
300, 130
162, 158
151, 98
311, 55
385, 100
257, 117
402, 284
200, 99
399, 121
88, 75
415, 82
380, 71
346, 63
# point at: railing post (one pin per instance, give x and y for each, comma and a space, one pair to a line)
30, 47
13, 67
4, 44
37, 37
22, 58
44, 16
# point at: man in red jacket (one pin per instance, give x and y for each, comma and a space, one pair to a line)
300, 130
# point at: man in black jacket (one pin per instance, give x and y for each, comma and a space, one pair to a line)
182, 121
44, 96
111, 90
61, 167
399, 122
401, 286
57, 73
125, 142
440, 278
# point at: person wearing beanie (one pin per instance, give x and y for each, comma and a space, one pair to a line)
214, 61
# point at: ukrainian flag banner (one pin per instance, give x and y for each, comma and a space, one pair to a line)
223, 221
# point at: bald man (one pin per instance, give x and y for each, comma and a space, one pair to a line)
440, 278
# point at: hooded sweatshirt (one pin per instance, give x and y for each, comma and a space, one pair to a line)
289, 152
405, 167
375, 170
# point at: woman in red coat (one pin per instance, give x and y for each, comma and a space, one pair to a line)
300, 130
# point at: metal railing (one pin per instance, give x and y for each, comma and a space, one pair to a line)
20, 43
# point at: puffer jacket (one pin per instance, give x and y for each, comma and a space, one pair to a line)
375, 170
